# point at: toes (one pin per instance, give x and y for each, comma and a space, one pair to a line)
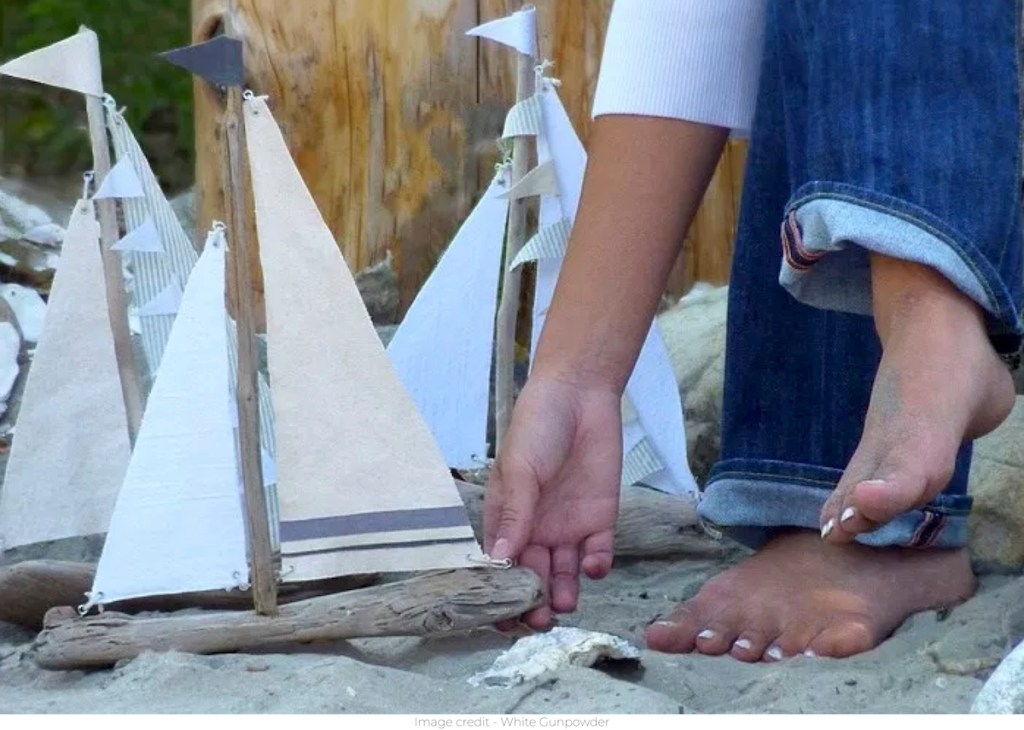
843, 640
896, 487
751, 645
676, 634
717, 638
795, 640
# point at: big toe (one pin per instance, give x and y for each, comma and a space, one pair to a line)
902, 484
844, 638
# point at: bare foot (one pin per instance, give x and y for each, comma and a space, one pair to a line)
940, 383
799, 595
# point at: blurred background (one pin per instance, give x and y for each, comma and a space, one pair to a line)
42, 130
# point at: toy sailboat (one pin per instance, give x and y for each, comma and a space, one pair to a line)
354, 494
452, 392
72, 447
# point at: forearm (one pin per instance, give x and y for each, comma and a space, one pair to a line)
644, 182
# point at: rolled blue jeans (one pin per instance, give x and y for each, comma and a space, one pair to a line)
888, 126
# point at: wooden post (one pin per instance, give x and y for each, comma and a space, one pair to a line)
505, 329
117, 307
261, 556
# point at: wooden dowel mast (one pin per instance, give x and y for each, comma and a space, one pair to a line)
262, 563
508, 309
117, 303
261, 556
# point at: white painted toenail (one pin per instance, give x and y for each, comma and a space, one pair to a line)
827, 528
810, 653
743, 644
848, 514
707, 634
666, 624
775, 653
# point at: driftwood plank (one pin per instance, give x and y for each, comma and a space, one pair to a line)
428, 604
650, 524
31, 588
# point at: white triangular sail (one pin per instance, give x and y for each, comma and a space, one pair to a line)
167, 302
518, 30
443, 349
143, 239
152, 270
178, 525
73, 64
71, 447
121, 182
362, 485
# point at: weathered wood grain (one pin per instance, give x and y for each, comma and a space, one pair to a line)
392, 113
31, 588
650, 524
429, 604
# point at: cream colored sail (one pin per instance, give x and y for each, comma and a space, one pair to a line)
71, 447
362, 485
178, 526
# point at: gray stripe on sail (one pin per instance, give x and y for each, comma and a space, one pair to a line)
370, 522
378, 546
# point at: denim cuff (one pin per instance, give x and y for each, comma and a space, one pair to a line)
751, 500
830, 228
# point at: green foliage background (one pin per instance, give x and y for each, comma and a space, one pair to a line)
42, 130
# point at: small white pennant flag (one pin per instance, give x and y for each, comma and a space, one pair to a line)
541, 180
145, 238
73, 63
121, 182
518, 30
166, 302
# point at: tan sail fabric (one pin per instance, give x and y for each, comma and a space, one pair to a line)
362, 485
73, 63
71, 448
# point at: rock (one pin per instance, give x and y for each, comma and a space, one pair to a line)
694, 334
378, 286
10, 347
28, 307
997, 474
1003, 693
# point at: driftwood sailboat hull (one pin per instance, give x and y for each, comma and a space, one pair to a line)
426, 605
33, 587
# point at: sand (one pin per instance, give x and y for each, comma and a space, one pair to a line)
933, 663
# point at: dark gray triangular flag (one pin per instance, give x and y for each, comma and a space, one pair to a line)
218, 60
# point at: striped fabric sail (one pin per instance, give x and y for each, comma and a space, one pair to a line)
362, 484
153, 272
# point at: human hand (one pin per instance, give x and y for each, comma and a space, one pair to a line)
553, 494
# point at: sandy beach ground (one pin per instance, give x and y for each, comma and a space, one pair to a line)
935, 663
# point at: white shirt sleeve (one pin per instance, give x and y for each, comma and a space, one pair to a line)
697, 60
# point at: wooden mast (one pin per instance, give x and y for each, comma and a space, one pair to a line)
261, 556
508, 309
117, 307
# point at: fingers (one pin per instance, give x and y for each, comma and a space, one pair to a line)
538, 559
565, 578
597, 553
509, 507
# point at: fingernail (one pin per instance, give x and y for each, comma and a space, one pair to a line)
502, 550
847, 515
775, 654
827, 528
707, 634
810, 653
742, 644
